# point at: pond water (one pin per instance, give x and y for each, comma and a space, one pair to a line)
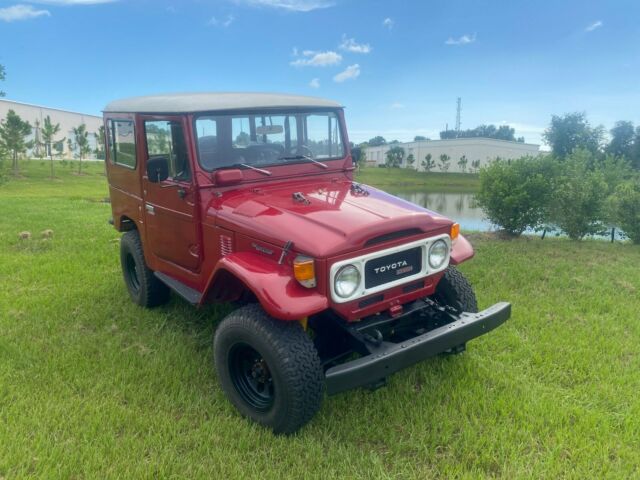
461, 208
456, 206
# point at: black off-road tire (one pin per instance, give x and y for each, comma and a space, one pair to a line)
144, 287
456, 291
292, 389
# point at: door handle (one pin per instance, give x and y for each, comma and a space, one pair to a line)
150, 208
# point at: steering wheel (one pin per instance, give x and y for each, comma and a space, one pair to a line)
304, 150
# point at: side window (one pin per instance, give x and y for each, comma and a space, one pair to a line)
166, 139
207, 134
122, 143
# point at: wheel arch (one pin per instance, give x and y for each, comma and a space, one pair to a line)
272, 285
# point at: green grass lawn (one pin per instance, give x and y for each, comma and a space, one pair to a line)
92, 386
399, 178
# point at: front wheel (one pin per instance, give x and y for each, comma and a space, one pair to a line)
268, 369
454, 290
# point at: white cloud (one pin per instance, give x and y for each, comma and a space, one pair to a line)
593, 26
21, 12
350, 45
351, 72
463, 40
216, 22
317, 59
315, 83
290, 5
397, 105
388, 22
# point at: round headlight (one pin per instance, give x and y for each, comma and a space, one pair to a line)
438, 254
347, 281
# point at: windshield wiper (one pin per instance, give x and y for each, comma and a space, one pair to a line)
260, 170
305, 157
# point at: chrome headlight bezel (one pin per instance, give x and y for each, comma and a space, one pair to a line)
345, 270
438, 251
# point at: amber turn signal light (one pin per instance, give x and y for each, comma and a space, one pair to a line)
304, 271
455, 231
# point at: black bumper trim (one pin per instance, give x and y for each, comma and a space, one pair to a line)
392, 357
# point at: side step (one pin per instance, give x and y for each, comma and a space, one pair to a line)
189, 294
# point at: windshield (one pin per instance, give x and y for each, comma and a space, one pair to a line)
267, 139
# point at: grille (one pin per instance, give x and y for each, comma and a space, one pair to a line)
226, 245
392, 267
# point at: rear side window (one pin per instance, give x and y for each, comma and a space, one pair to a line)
123, 143
165, 138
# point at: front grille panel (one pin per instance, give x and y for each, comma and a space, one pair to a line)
392, 267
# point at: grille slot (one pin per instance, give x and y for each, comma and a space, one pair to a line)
387, 237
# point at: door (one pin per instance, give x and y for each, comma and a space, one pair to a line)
169, 205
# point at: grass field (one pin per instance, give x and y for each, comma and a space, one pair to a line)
400, 178
92, 386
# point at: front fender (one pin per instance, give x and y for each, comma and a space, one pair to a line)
461, 251
273, 285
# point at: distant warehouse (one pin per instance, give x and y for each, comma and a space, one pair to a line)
35, 115
475, 152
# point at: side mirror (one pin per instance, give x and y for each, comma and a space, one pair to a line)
158, 169
227, 176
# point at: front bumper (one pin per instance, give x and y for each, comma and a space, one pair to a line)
389, 358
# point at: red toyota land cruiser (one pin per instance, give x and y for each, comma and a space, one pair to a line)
250, 198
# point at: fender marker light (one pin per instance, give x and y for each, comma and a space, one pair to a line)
455, 231
304, 271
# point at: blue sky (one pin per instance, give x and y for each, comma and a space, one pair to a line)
397, 66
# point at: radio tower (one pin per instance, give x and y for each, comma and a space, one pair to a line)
458, 112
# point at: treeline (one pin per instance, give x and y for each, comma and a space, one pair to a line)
583, 187
503, 132
46, 142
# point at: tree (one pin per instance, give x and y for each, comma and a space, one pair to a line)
444, 162
462, 163
2, 77
622, 139
81, 137
377, 141
515, 195
579, 196
70, 147
570, 131
625, 209
428, 163
411, 160
100, 142
38, 151
395, 155
475, 165
419, 138
13, 136
49, 131
635, 160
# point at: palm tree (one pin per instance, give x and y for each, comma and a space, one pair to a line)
81, 137
49, 130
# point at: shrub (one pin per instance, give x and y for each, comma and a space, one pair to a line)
624, 206
515, 194
579, 196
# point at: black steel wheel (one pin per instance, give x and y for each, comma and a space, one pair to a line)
143, 286
269, 369
251, 377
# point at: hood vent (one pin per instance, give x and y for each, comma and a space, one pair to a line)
226, 245
388, 237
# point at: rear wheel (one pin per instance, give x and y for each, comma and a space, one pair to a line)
144, 287
454, 290
268, 369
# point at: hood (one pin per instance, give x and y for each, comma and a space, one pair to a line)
322, 218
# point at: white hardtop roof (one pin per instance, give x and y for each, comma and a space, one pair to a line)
206, 102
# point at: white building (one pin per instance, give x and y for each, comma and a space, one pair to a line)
36, 114
476, 149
